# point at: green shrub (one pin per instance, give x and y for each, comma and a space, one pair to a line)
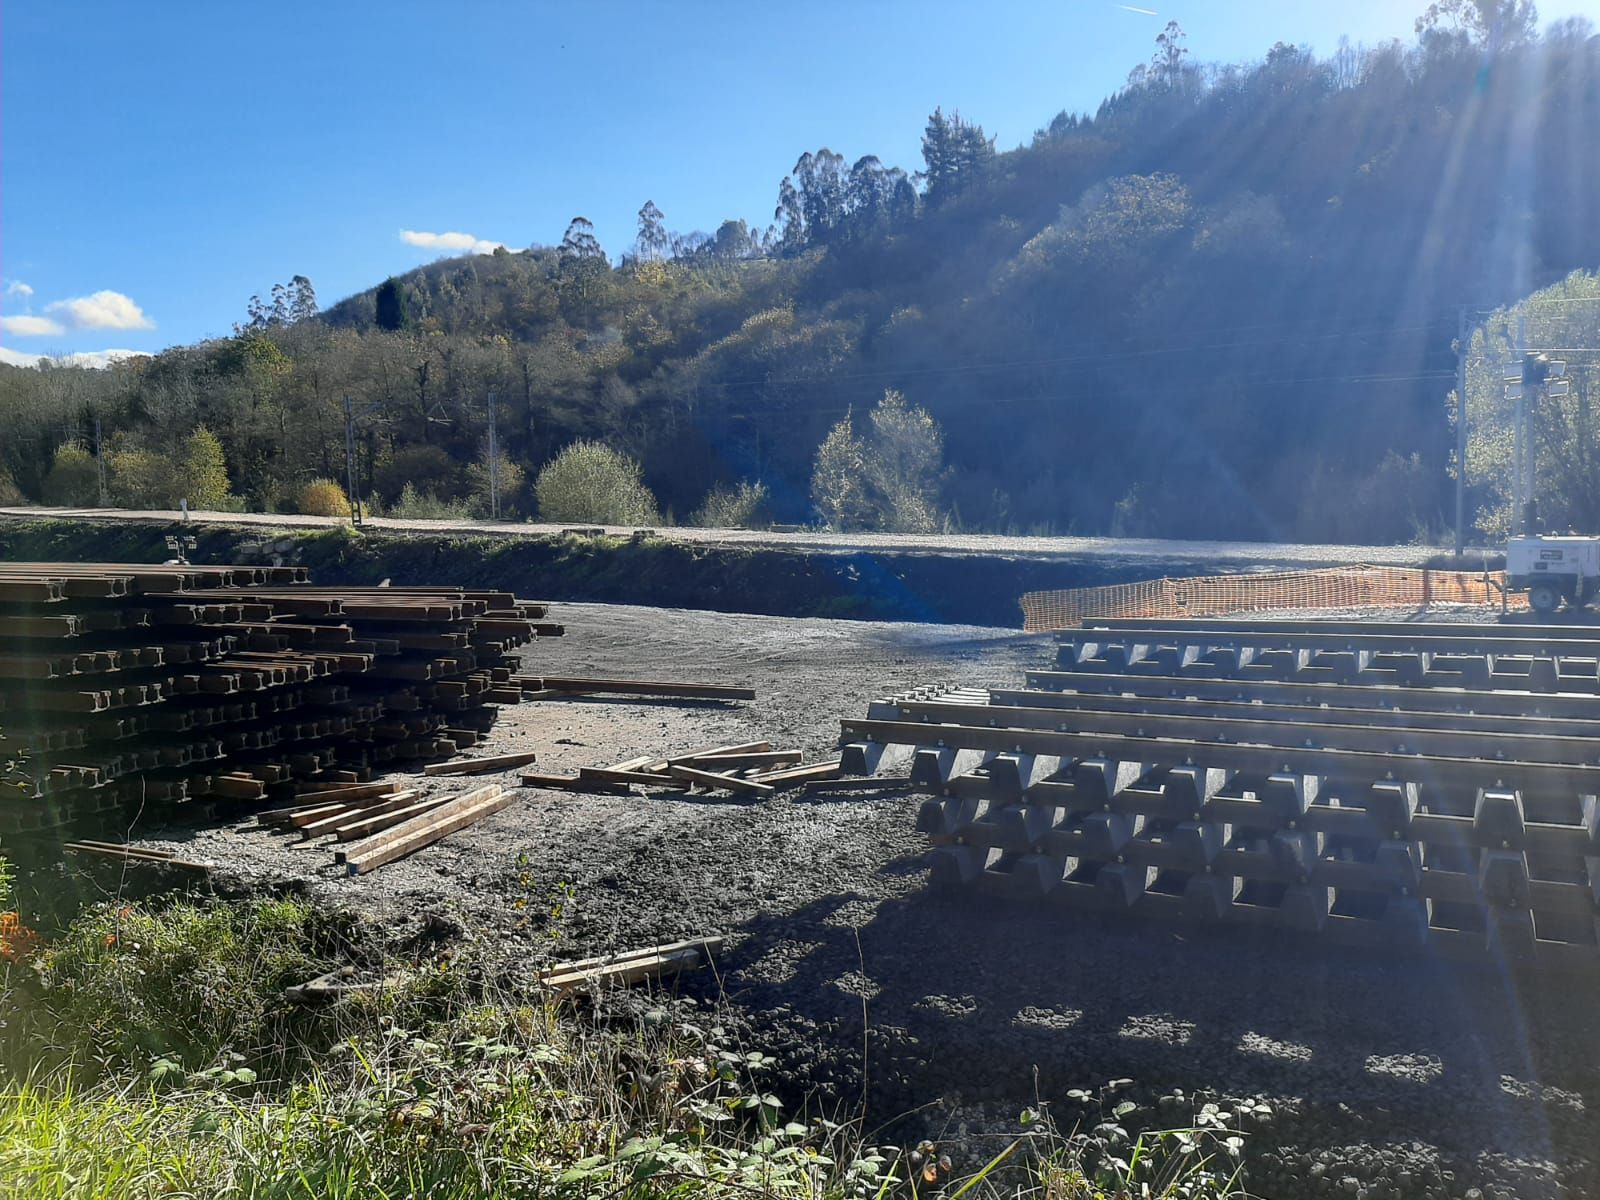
203, 471
73, 480
141, 479
127, 985
589, 481
512, 481
323, 498
415, 505
724, 507
10, 494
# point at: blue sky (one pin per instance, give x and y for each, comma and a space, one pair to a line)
162, 161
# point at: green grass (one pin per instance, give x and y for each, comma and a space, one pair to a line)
150, 1052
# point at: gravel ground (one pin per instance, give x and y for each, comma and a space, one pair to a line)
1386, 1074
1281, 555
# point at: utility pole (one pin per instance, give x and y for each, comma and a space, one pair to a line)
1461, 431
99, 458
350, 461
1519, 435
494, 460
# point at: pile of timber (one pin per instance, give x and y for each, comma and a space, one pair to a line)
1430, 786
134, 685
749, 769
369, 825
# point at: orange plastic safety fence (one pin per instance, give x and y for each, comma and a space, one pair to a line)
1218, 595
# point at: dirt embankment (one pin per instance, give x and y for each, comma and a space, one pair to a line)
876, 580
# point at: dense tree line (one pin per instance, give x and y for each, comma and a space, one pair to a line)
1224, 304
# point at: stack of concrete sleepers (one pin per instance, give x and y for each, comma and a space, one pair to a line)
128, 685
1374, 788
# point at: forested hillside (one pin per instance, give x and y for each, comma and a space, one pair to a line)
1223, 305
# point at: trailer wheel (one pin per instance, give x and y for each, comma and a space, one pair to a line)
1543, 598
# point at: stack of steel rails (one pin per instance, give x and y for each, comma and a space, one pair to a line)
131, 685
1410, 785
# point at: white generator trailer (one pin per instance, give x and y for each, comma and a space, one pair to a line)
1553, 568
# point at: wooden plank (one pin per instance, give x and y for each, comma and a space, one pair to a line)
365, 826
327, 793
630, 968
635, 687
413, 835
134, 854
328, 822
633, 764
643, 778
475, 766
795, 776
740, 762
572, 966
709, 779
713, 751
571, 783
282, 816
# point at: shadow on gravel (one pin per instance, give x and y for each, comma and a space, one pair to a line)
979, 1002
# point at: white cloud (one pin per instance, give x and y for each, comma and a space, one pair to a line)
84, 358
24, 326
449, 243
17, 288
99, 358
103, 310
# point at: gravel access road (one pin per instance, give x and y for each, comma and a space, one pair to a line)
1232, 554
1385, 1072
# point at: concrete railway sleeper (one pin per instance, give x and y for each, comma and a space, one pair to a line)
1396, 733
1531, 663
1067, 704
1043, 688
1338, 804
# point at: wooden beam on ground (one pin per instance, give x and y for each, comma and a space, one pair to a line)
135, 854
411, 836
282, 816
631, 967
326, 822
642, 778
710, 779
325, 794
478, 766
740, 761
572, 783
634, 687
633, 764
362, 826
795, 776
714, 751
